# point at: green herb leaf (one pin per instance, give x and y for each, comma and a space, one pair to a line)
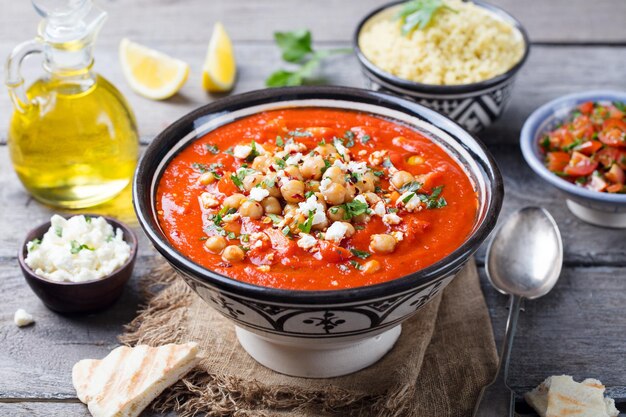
201, 168
280, 142
306, 227
365, 139
212, 148
295, 46
411, 187
286, 231
418, 14
280, 162
236, 181
231, 235
360, 254
356, 265
87, 219
327, 165
58, 230
276, 219
229, 151
408, 198
33, 244
354, 208
378, 173
433, 200
349, 139
620, 106
253, 152
572, 145
300, 133
387, 163
77, 247
309, 194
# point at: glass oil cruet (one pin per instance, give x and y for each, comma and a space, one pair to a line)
72, 138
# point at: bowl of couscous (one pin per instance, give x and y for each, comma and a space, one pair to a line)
458, 58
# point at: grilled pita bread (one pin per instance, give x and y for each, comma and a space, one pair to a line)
128, 379
560, 396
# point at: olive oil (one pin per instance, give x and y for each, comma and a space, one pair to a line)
75, 146
73, 138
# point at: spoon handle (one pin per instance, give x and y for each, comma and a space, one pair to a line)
497, 399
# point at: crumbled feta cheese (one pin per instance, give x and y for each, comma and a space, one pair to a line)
377, 157
306, 241
295, 147
294, 159
22, 318
325, 183
399, 236
357, 167
410, 201
208, 200
258, 193
78, 250
242, 151
336, 231
231, 217
343, 151
362, 152
360, 198
379, 209
263, 268
312, 205
340, 164
392, 218
282, 178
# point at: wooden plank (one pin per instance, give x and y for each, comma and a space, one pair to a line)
541, 80
330, 20
47, 409
584, 245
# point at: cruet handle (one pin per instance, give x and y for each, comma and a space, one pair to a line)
14, 80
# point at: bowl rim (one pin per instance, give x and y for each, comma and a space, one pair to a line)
536, 120
450, 263
436, 89
134, 244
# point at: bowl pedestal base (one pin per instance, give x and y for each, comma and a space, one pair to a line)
597, 217
308, 358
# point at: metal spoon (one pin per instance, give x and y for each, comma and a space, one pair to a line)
524, 260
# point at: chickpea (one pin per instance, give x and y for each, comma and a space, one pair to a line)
233, 254
293, 191
313, 186
367, 183
350, 191
351, 230
415, 160
262, 163
271, 205
400, 178
293, 172
325, 150
290, 208
250, 181
334, 194
336, 213
321, 225
361, 218
206, 178
215, 244
371, 198
370, 267
382, 243
233, 201
336, 175
312, 167
251, 209
320, 199
274, 191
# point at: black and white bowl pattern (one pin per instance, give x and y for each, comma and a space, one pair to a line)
351, 313
473, 106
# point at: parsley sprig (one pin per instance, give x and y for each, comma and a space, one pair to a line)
418, 14
297, 48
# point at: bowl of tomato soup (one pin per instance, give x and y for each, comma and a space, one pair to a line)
577, 143
317, 219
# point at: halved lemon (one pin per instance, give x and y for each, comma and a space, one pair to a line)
220, 70
151, 73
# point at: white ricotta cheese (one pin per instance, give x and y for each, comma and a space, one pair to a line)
306, 241
258, 193
78, 250
392, 218
22, 318
336, 231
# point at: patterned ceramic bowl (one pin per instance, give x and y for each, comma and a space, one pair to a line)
474, 106
601, 209
319, 333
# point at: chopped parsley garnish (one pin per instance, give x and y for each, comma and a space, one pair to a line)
286, 231
299, 133
34, 244
411, 187
58, 230
280, 142
408, 198
201, 168
280, 162
88, 219
360, 254
387, 163
356, 265
433, 200
244, 237
378, 173
212, 148
253, 152
77, 247
349, 138
354, 208
229, 151
309, 194
620, 106
231, 235
572, 145
327, 165
417, 14
365, 139
545, 142
276, 219
237, 181
306, 226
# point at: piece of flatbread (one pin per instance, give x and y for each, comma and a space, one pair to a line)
128, 379
559, 396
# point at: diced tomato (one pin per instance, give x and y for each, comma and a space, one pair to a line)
608, 156
613, 132
615, 175
582, 128
561, 138
333, 253
616, 188
580, 165
556, 161
586, 108
430, 180
225, 159
596, 183
589, 147
397, 159
616, 113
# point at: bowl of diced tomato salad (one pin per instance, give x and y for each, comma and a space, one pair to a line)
577, 143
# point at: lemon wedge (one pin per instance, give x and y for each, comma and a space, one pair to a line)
220, 70
151, 73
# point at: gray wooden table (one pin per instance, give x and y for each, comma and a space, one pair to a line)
578, 329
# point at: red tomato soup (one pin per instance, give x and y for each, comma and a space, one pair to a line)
315, 199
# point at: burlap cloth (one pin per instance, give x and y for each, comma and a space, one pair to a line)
445, 354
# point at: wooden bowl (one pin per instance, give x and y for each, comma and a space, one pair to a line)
80, 297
